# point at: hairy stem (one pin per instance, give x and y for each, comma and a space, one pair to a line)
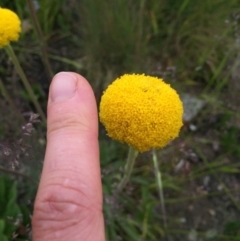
132, 154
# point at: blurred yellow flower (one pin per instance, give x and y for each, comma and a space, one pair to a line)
142, 111
10, 26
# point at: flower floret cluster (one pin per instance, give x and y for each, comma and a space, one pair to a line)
142, 111
10, 26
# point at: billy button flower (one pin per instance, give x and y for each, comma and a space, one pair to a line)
10, 26
144, 112
10, 29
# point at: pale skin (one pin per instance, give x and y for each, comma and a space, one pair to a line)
68, 204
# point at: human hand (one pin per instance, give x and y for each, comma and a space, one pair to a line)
68, 205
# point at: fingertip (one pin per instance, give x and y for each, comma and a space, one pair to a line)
71, 94
63, 86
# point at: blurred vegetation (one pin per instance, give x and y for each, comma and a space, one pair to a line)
194, 46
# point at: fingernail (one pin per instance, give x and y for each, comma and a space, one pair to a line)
63, 86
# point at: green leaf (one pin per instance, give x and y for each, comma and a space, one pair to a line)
2, 194
229, 169
130, 230
2, 226
9, 209
3, 237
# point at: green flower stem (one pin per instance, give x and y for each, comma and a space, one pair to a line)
23, 77
10, 101
132, 155
40, 36
159, 185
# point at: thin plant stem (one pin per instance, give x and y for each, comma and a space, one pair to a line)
24, 79
132, 155
10, 101
2, 169
39, 33
158, 176
75, 64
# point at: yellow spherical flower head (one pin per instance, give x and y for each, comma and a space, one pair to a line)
142, 111
10, 27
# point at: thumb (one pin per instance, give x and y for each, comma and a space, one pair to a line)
68, 205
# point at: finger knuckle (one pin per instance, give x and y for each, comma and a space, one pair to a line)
62, 208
